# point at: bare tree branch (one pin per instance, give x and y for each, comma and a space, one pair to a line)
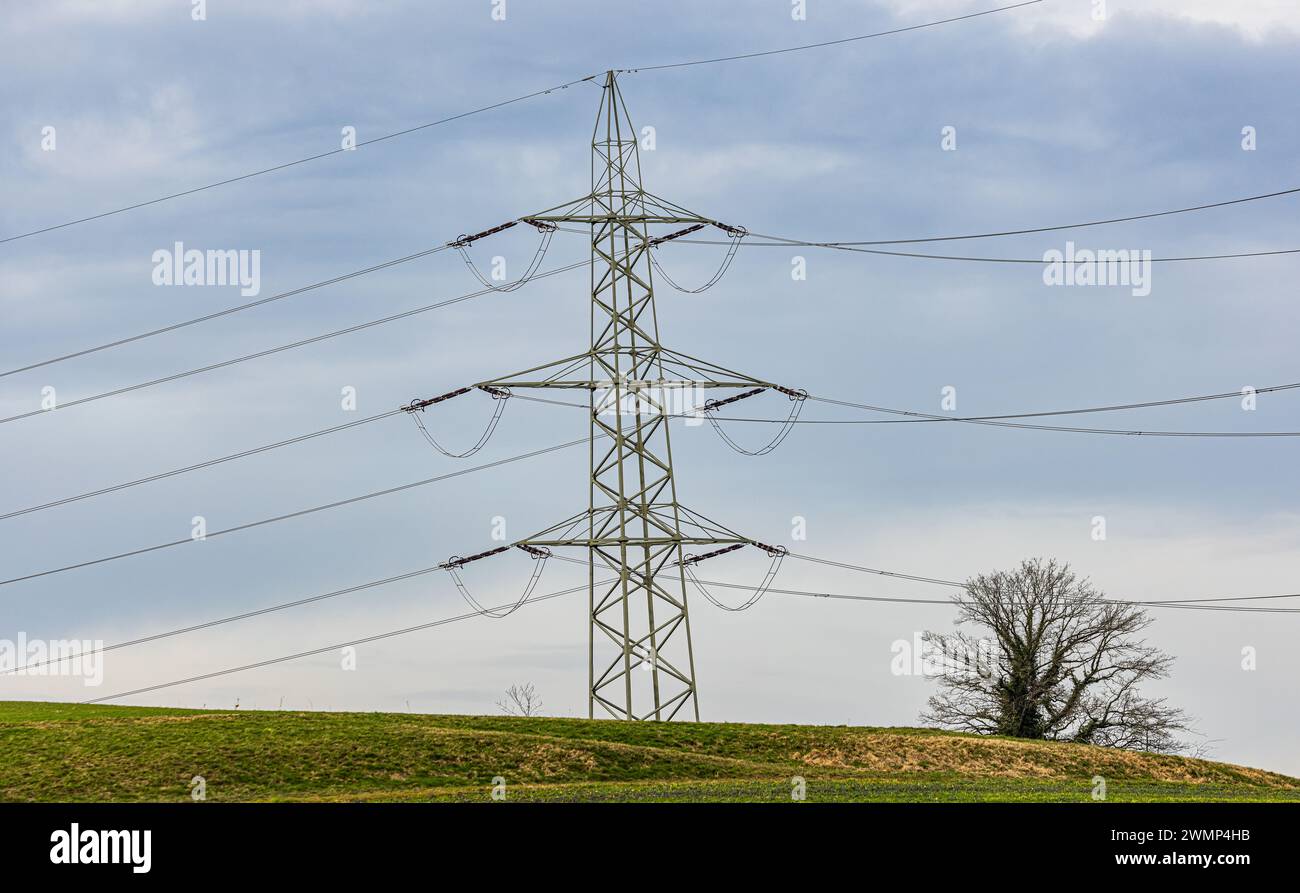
521, 700
1067, 665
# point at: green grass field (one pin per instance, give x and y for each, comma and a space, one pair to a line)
71, 752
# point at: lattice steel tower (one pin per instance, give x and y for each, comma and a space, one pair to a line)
634, 529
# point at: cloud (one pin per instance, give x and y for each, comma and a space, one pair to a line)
1255, 20
147, 132
33, 17
788, 659
835, 144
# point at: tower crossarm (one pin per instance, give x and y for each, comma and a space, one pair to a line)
628, 386
567, 373
614, 542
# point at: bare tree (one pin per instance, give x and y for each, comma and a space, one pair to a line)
521, 700
1064, 664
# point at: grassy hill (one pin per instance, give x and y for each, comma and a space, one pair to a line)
74, 752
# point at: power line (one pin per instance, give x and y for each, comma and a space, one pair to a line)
280, 349
621, 504
496, 105
896, 575
288, 164
877, 571
828, 43
208, 624
374, 584
1114, 407
530, 600
1131, 432
914, 416
327, 648
1040, 261
779, 242
227, 312
199, 465
1178, 602
298, 514
1042, 229
826, 243
930, 419
950, 602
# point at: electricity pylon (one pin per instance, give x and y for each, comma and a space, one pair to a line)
634, 528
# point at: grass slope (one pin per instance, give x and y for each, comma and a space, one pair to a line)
72, 752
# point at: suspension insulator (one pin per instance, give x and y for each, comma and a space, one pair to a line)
455, 562
418, 404
463, 240
797, 399
696, 559
778, 553
735, 233
710, 405
659, 240
453, 568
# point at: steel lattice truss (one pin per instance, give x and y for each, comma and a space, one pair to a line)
634, 529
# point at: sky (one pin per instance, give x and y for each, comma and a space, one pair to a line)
1059, 115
